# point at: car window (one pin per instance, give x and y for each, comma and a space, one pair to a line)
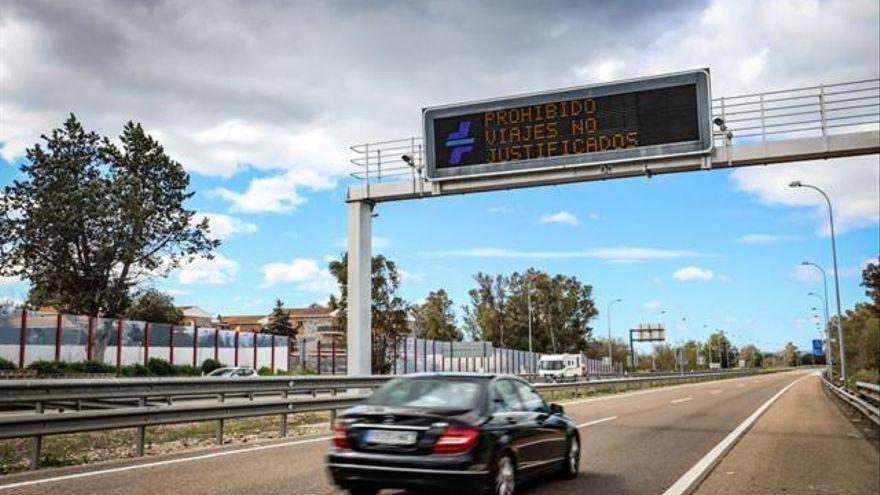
430, 393
532, 401
505, 397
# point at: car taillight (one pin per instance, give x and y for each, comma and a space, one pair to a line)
340, 436
456, 439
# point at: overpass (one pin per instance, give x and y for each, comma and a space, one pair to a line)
808, 123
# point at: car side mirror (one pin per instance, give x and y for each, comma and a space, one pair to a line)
556, 409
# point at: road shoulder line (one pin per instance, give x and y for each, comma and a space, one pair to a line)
695, 475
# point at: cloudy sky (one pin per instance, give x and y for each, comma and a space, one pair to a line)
260, 101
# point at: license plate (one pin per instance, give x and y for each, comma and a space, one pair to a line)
391, 437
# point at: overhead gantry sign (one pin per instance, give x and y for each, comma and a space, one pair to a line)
633, 128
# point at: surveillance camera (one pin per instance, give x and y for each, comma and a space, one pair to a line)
796, 183
408, 159
718, 121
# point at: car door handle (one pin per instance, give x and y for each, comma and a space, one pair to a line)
511, 420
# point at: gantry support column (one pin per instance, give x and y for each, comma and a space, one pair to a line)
359, 302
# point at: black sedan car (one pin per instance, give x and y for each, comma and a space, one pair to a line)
469, 433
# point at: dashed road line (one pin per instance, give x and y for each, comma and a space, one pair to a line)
718, 391
683, 399
597, 421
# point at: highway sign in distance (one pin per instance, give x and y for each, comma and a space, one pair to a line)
649, 332
818, 347
633, 120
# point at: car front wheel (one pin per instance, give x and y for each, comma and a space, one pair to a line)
572, 462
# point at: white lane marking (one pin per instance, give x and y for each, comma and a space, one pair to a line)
716, 391
696, 474
683, 399
159, 463
597, 421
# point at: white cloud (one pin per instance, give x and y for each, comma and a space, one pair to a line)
175, 292
764, 238
224, 227
690, 273
562, 217
218, 270
275, 194
652, 305
9, 280
307, 274
853, 184
612, 254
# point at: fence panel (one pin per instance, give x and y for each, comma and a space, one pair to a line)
39, 337
10, 336
133, 333
160, 340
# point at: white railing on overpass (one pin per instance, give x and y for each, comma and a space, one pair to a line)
814, 111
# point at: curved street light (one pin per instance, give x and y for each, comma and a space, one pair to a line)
798, 183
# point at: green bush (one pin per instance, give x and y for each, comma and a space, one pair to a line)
92, 367
7, 365
209, 365
185, 370
136, 369
265, 371
48, 368
160, 367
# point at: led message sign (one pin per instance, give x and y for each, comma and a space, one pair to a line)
625, 121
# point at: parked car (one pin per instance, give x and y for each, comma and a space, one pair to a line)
233, 372
467, 433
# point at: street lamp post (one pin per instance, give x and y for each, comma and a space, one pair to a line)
529, 297
610, 355
828, 359
798, 183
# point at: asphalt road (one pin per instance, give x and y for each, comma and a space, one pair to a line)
639, 442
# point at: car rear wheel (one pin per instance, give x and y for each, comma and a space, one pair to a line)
363, 490
572, 462
505, 476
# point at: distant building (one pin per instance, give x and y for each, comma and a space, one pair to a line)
243, 323
195, 316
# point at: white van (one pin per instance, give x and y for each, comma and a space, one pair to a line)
562, 367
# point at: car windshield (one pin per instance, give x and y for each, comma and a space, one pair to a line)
222, 372
551, 365
429, 393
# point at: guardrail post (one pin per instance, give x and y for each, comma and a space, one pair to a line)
218, 433
58, 338
141, 434
118, 344
91, 335
283, 427
36, 442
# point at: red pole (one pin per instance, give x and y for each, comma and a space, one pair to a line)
22, 342
255, 349
195, 346
216, 344
58, 338
333, 357
319, 357
118, 344
146, 342
89, 341
171, 344
236, 348
272, 353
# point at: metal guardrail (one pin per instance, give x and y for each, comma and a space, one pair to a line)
870, 411
45, 392
869, 391
814, 111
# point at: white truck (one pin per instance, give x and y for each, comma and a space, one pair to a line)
562, 367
